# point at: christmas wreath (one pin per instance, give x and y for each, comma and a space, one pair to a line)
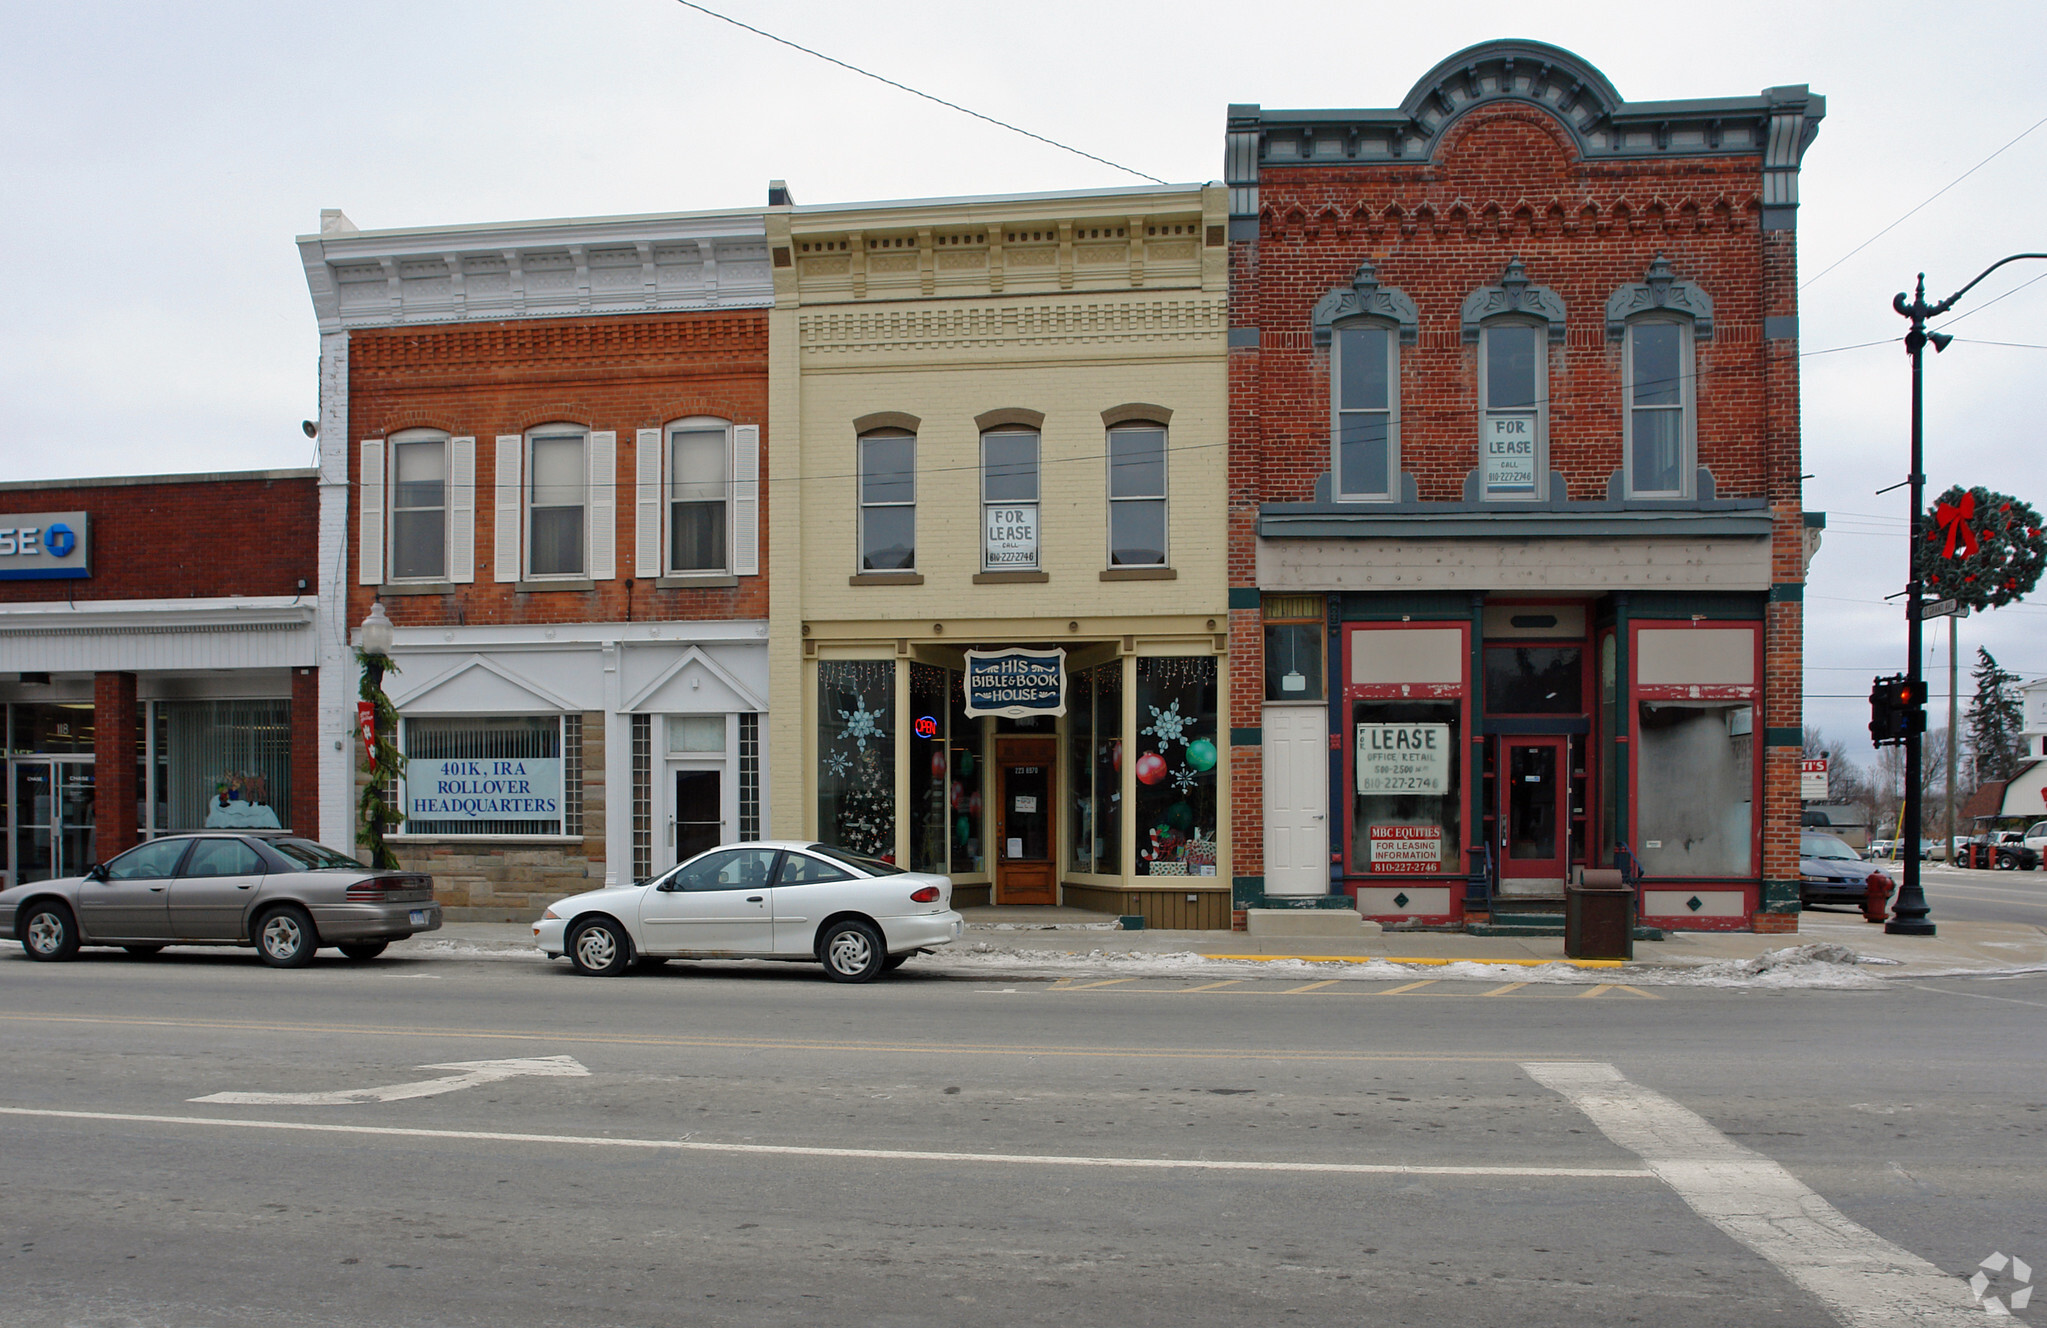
1985, 549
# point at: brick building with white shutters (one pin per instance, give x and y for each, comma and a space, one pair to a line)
543, 450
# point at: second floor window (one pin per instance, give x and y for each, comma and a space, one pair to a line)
1659, 407
1137, 496
556, 500
1512, 385
419, 507
1009, 501
1365, 382
697, 493
888, 501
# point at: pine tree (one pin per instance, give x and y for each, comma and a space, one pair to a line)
1995, 747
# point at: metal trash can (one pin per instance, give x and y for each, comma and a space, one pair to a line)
1599, 916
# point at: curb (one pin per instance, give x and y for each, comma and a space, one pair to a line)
1430, 963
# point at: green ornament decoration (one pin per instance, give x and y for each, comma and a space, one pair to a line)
1983, 548
1201, 754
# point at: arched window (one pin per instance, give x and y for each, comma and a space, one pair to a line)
557, 500
1513, 394
888, 501
1657, 379
1137, 495
699, 495
419, 505
1364, 404
1009, 499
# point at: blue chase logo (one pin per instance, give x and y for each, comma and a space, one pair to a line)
60, 540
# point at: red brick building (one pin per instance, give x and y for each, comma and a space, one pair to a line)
1517, 551
158, 661
548, 441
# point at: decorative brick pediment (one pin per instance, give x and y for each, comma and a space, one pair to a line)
1659, 290
1514, 295
1366, 298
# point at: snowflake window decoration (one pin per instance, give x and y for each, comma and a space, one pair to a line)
1169, 725
1185, 778
862, 723
837, 764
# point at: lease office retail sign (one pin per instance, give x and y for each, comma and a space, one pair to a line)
1016, 683
1403, 758
491, 789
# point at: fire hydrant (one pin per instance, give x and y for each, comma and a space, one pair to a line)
1876, 897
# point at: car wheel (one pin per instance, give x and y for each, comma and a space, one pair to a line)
600, 948
285, 937
48, 932
2006, 862
363, 949
852, 951
143, 951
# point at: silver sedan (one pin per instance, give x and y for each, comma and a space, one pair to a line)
286, 897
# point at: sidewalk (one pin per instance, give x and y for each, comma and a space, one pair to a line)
1056, 942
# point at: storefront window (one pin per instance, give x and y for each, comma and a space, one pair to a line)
856, 754
1080, 765
928, 782
44, 727
478, 775
227, 764
1695, 777
1534, 680
1407, 788
1107, 816
964, 737
1176, 766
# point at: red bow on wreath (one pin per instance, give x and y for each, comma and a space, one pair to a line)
1954, 518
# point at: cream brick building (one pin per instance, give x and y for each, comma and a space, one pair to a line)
1002, 423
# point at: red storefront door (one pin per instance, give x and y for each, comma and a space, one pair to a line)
1534, 827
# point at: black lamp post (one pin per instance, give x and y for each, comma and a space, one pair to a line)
376, 658
1910, 918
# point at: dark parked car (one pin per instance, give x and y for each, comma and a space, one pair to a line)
286, 897
1830, 872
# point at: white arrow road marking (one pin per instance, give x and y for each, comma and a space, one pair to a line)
1864, 1279
473, 1073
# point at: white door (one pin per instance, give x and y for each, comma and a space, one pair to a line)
715, 905
1296, 800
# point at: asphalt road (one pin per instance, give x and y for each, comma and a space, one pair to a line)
753, 1145
1968, 895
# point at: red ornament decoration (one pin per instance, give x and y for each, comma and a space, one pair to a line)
1151, 768
1954, 518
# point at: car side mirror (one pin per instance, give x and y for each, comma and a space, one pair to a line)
96, 872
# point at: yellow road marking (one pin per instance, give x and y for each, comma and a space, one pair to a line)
1502, 991
1637, 991
1311, 986
1212, 986
757, 1044
1599, 990
1395, 991
1410, 959
1089, 986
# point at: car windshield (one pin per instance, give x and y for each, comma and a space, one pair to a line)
305, 855
857, 861
1826, 846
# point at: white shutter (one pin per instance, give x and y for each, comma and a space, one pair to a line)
462, 510
746, 500
603, 506
369, 550
511, 448
647, 505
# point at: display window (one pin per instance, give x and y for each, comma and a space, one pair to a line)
1176, 765
1697, 764
1406, 712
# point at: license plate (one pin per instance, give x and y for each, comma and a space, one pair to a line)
419, 917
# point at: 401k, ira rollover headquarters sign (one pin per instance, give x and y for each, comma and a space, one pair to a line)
1016, 683
485, 789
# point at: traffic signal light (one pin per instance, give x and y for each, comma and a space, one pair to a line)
1897, 708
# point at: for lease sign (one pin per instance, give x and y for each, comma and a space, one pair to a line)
1011, 537
1409, 849
1510, 454
526, 789
1403, 758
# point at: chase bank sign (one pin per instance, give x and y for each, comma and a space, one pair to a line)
44, 546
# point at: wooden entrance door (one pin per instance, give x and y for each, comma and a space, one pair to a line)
1025, 828
1534, 828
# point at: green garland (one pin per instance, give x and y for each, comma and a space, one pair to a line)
373, 813
2010, 548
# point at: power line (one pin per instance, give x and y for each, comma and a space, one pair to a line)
1936, 194
955, 106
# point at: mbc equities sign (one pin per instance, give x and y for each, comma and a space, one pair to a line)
524, 789
44, 546
1016, 683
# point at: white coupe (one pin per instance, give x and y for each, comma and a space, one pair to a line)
858, 916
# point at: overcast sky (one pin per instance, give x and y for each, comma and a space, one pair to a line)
161, 157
